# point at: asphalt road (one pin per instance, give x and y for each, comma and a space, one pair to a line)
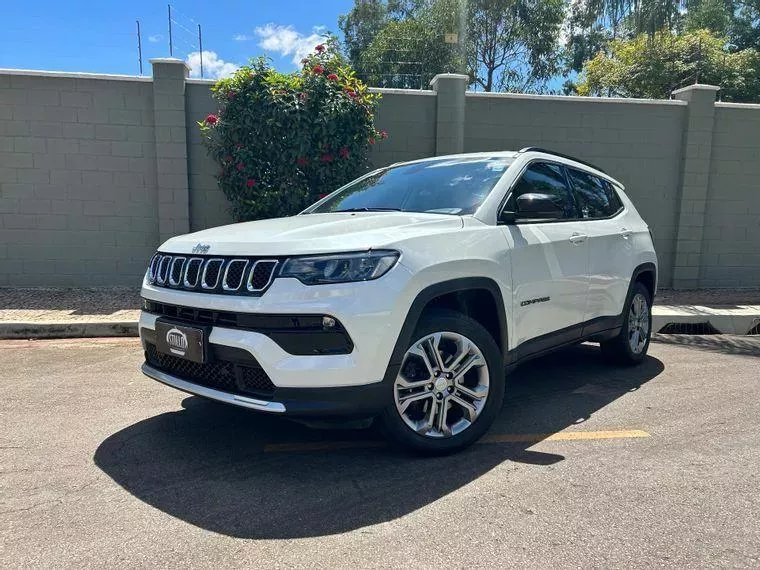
100, 466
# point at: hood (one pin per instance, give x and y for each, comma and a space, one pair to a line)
314, 233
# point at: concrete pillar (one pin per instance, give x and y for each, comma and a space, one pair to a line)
169, 76
450, 103
695, 181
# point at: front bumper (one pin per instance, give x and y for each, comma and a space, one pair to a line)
372, 313
354, 401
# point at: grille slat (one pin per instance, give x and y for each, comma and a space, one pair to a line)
212, 269
163, 270
228, 275
192, 272
219, 374
233, 274
261, 274
153, 267
175, 271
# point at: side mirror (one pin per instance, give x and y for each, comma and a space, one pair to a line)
538, 206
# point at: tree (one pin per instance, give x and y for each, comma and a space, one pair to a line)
502, 44
409, 52
745, 25
652, 67
281, 140
366, 20
592, 24
513, 44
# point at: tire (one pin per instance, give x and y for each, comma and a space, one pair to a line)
472, 399
620, 350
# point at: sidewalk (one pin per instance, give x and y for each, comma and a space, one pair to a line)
64, 313
113, 311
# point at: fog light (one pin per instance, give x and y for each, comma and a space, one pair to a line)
328, 322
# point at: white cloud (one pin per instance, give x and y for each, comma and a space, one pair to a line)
213, 66
155, 38
285, 40
241, 38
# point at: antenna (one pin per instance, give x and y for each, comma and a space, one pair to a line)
200, 48
171, 46
139, 47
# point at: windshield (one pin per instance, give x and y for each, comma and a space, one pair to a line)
445, 186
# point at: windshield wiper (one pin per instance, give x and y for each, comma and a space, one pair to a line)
370, 210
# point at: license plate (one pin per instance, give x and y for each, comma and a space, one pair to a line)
181, 341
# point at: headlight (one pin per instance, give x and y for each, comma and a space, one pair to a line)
339, 268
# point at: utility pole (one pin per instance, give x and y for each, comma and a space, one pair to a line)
171, 46
200, 47
139, 46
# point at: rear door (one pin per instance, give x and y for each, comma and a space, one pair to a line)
611, 254
549, 265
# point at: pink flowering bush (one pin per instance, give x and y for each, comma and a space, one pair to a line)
283, 140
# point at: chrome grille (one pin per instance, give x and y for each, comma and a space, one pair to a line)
212, 270
175, 271
261, 274
229, 275
192, 272
153, 267
233, 274
163, 270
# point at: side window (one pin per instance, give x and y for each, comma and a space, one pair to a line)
596, 197
616, 204
544, 178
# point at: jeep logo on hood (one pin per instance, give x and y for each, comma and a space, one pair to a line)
201, 248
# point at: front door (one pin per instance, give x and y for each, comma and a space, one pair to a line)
549, 266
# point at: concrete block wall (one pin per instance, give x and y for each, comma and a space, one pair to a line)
410, 119
78, 189
731, 237
96, 171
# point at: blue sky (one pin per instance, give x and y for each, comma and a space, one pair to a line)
100, 37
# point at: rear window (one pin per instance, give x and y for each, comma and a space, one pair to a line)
595, 197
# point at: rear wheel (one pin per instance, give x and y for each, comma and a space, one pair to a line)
631, 345
449, 388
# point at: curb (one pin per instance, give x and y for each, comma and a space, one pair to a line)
738, 320
83, 329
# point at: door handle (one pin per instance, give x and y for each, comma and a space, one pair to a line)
577, 238
626, 233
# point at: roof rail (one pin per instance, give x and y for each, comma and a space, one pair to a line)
555, 153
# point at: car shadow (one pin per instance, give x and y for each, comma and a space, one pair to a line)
747, 345
217, 467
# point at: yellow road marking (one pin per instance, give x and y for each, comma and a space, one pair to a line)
563, 436
495, 438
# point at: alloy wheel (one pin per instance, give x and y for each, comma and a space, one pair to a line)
442, 385
638, 323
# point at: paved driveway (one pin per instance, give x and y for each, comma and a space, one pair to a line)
100, 466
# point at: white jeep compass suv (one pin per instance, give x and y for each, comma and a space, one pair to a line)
406, 295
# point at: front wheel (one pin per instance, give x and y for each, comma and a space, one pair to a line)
631, 345
449, 388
